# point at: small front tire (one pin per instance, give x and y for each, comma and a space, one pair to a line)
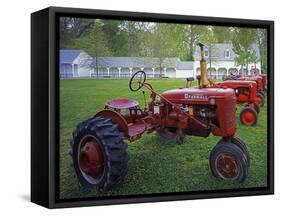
256, 106
260, 99
248, 116
228, 162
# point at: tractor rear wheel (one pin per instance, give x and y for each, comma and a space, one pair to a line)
256, 106
229, 162
260, 99
170, 134
99, 154
248, 116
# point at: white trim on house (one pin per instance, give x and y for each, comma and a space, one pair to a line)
123, 67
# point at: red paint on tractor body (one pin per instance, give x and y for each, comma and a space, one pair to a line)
121, 103
197, 111
260, 79
257, 79
245, 91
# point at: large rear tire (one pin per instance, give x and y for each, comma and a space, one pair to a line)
99, 154
229, 162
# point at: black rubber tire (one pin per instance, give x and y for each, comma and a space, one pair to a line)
176, 136
113, 147
227, 147
241, 144
262, 98
263, 93
251, 110
257, 107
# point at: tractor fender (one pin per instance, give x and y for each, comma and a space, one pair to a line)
116, 118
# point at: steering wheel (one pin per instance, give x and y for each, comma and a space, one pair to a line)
137, 81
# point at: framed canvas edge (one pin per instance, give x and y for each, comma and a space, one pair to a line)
54, 203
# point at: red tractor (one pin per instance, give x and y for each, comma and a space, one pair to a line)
260, 88
264, 82
261, 84
246, 94
245, 91
98, 146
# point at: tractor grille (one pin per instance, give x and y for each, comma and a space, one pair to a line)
230, 110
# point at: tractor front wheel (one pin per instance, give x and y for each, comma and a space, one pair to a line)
99, 154
260, 99
263, 93
170, 134
256, 106
229, 162
248, 116
240, 143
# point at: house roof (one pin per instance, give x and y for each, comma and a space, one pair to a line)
185, 65
137, 62
218, 52
68, 56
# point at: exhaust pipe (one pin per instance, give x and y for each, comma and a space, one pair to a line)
203, 67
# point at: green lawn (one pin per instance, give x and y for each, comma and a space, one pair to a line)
154, 166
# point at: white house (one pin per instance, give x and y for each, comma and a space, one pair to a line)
77, 63
223, 61
185, 69
74, 63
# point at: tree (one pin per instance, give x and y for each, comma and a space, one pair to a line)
133, 34
262, 44
161, 42
72, 28
191, 35
94, 43
223, 34
242, 41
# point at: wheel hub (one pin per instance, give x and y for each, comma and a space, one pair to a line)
91, 158
227, 166
248, 118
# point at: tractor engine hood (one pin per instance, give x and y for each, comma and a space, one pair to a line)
238, 83
197, 94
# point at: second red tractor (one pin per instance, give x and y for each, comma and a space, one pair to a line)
261, 81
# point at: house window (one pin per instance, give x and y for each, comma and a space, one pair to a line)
206, 53
227, 53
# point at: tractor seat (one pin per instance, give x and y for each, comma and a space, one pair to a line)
189, 79
121, 103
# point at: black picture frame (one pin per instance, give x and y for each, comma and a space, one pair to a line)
45, 111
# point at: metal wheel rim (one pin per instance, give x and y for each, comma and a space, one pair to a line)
224, 163
248, 118
89, 178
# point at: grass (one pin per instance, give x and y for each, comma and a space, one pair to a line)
154, 166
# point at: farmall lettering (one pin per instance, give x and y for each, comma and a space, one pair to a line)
196, 97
